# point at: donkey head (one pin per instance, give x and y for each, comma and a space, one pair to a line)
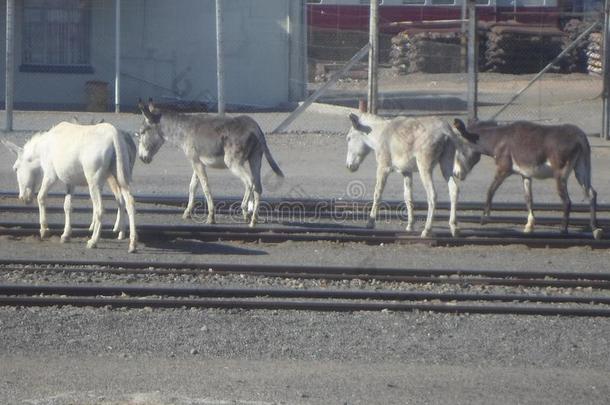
150, 134
357, 148
28, 169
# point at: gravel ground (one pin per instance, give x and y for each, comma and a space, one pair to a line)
185, 356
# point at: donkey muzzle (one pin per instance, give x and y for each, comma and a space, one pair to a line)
352, 167
26, 197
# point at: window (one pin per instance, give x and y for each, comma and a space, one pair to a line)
413, 1
56, 36
443, 2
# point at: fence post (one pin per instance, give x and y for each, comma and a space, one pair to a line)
373, 56
473, 62
10, 64
220, 72
117, 56
606, 74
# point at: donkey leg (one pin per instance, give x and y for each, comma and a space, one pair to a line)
249, 203
447, 164
527, 188
454, 192
562, 189
203, 179
382, 176
188, 212
42, 205
497, 182
252, 188
246, 209
131, 213
426, 177
119, 224
582, 172
95, 190
597, 232
65, 237
408, 194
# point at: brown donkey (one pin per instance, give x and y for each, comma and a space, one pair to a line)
535, 151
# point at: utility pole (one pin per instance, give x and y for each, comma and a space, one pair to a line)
373, 57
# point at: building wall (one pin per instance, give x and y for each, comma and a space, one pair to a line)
168, 50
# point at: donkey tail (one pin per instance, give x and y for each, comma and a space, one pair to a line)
582, 167
258, 132
122, 156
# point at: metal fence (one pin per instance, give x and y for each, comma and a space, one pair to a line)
269, 56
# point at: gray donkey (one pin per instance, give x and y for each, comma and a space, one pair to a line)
408, 145
219, 142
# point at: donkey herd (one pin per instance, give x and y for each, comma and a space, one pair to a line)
90, 155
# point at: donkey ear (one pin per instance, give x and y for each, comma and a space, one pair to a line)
461, 129
148, 116
17, 150
459, 125
358, 125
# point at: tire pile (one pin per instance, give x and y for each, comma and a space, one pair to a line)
514, 48
425, 51
576, 59
594, 53
504, 47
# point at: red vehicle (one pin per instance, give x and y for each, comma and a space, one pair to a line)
354, 14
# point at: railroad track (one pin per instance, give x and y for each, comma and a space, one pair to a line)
132, 296
322, 205
286, 214
344, 234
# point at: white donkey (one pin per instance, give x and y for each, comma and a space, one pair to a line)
408, 145
78, 155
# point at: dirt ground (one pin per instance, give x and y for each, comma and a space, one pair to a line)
90, 356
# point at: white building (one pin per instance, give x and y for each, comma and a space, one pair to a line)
167, 48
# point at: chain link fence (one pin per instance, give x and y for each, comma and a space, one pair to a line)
277, 52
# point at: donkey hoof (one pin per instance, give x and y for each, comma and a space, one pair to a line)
370, 223
91, 227
187, 214
44, 233
426, 233
64, 238
121, 235
455, 232
598, 233
529, 229
409, 228
252, 224
91, 244
484, 219
211, 221
132, 249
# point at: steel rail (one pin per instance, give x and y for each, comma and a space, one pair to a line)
461, 276
461, 280
149, 232
338, 203
327, 306
286, 214
141, 291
